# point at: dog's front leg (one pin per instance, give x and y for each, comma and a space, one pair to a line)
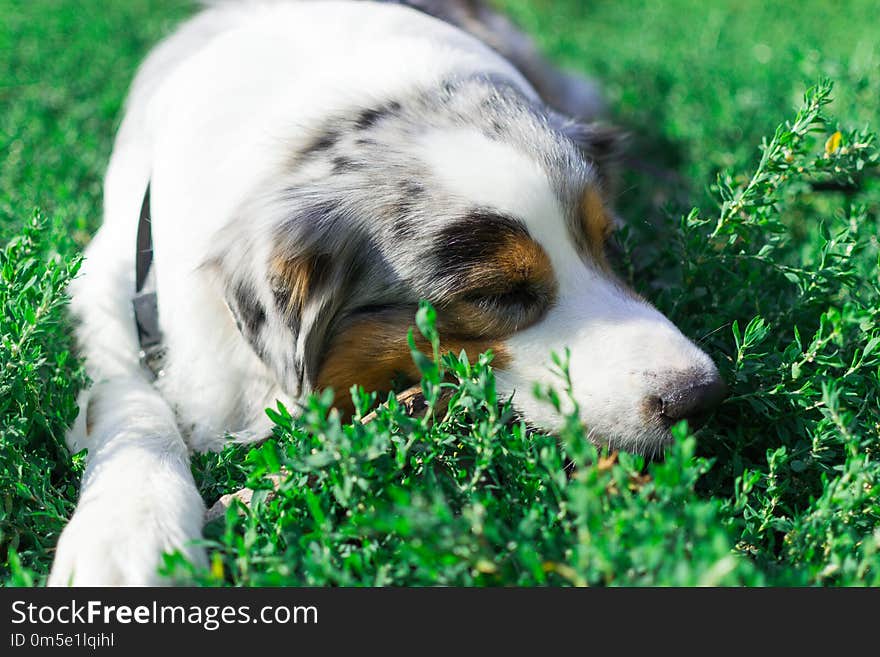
138, 498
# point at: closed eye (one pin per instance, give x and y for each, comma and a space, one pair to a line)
372, 309
501, 312
523, 295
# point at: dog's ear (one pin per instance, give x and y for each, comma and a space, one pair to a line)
602, 143
308, 288
283, 309
284, 289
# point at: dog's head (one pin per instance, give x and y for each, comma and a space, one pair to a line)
492, 208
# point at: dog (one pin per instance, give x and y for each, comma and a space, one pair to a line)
290, 179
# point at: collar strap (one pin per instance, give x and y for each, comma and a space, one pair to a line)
144, 302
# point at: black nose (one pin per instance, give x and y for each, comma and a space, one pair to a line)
687, 396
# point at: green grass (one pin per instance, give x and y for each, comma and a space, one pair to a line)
775, 273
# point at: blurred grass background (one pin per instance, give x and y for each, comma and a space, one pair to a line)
699, 84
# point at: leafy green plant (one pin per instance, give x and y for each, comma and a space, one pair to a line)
466, 496
795, 440
38, 383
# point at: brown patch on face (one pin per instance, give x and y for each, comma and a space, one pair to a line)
373, 352
293, 279
518, 259
596, 224
503, 284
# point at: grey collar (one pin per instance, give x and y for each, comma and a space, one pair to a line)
145, 302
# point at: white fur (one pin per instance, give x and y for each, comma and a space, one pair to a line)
138, 498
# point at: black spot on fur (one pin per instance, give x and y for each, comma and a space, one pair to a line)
412, 189
322, 268
249, 314
370, 117
314, 212
288, 311
477, 236
281, 296
300, 369
343, 164
400, 213
323, 143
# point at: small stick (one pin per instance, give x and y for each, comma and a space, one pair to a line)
245, 495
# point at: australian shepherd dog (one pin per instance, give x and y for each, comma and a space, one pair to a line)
290, 179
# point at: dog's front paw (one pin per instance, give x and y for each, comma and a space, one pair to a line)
119, 539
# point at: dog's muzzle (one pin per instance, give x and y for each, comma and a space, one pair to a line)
689, 395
